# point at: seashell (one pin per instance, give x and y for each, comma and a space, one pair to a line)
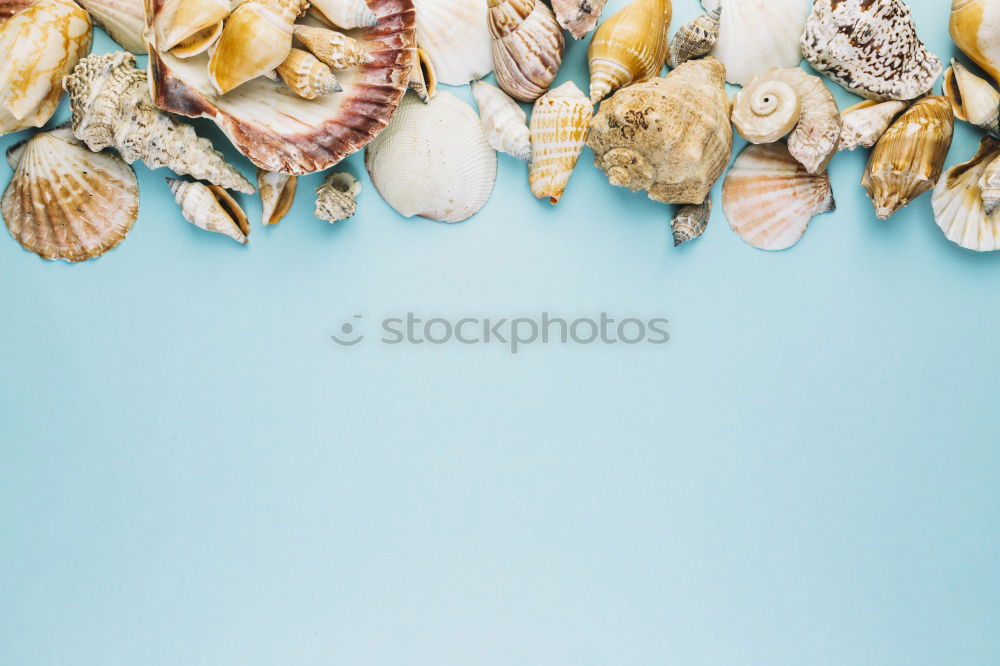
307, 76
109, 99
560, 121
181, 20
337, 197
630, 47
578, 16
870, 47
346, 14
40, 45
256, 39
989, 186
670, 136
691, 221
10, 7
972, 99
66, 202
695, 38
527, 47
277, 192
333, 48
863, 124
758, 35
908, 159
199, 42
433, 160
958, 208
769, 197
766, 109
211, 208
123, 20
423, 79
455, 36
504, 121
975, 28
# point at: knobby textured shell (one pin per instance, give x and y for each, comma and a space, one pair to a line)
975, 27
333, 48
527, 47
346, 14
559, 123
307, 76
630, 47
691, 221
769, 198
277, 193
66, 202
870, 47
757, 35
280, 131
455, 37
908, 159
211, 208
695, 38
123, 20
109, 99
670, 136
578, 16
973, 99
864, 124
337, 197
958, 208
504, 121
989, 185
39, 45
433, 160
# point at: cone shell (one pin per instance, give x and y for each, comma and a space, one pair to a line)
670, 136
433, 160
630, 47
769, 198
975, 28
691, 221
973, 99
864, 124
559, 124
256, 39
908, 159
504, 121
307, 76
337, 197
180, 20
346, 14
527, 47
210, 207
758, 35
123, 20
277, 193
423, 79
695, 38
40, 45
333, 48
455, 36
958, 207
66, 202
578, 16
989, 185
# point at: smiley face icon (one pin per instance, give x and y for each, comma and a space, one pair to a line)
348, 330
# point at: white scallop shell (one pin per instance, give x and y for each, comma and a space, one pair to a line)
756, 35
958, 206
433, 160
455, 36
504, 121
123, 20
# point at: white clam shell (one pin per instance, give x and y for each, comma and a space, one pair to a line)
123, 20
958, 206
455, 36
504, 121
756, 35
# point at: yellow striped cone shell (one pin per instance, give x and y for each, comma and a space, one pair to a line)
560, 121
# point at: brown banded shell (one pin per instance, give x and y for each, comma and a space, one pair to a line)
333, 48
527, 47
211, 208
690, 221
695, 38
277, 193
958, 208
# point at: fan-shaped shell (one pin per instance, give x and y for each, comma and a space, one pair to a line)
958, 207
504, 121
578, 16
975, 28
757, 35
123, 20
455, 36
769, 198
973, 99
695, 38
864, 124
433, 160
277, 193
989, 186
66, 202
527, 47
211, 208
630, 47
559, 123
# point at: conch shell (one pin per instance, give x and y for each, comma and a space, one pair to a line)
123, 20
182, 20
578, 16
559, 123
670, 136
695, 38
307, 76
504, 121
907, 161
110, 102
989, 186
691, 221
527, 47
864, 124
346, 14
973, 99
40, 45
66, 202
630, 47
975, 28
958, 208
758, 35
277, 193
455, 36
333, 48
337, 197
211, 208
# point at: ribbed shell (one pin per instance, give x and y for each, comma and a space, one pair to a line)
504, 121
958, 207
690, 221
337, 197
66, 202
123, 20
630, 47
695, 38
256, 39
756, 35
333, 48
989, 185
211, 208
578, 16
433, 160
346, 14
277, 193
559, 124
973, 99
769, 198
527, 47
863, 124
307, 76
455, 36
975, 28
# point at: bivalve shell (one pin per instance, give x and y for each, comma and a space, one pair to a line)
123, 20
758, 35
211, 208
504, 121
455, 36
527, 47
559, 124
958, 207
630, 47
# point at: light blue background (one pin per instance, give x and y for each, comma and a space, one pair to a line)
192, 473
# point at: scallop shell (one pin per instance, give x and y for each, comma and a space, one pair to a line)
423, 79
864, 124
40, 45
758, 35
695, 38
433, 160
455, 36
578, 16
527, 47
277, 193
337, 197
630, 47
670, 136
975, 28
870, 47
346, 14
989, 186
256, 39
908, 159
123, 20
504, 121
972, 99
333, 48
691, 221
307, 76
958, 208
769, 198
66, 202
559, 124
211, 208
179, 20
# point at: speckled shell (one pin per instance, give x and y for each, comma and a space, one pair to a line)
578, 16
455, 36
973, 99
989, 185
527, 47
346, 14
870, 47
504, 121
691, 221
333, 48
630, 47
670, 136
66, 202
277, 193
559, 123
758, 35
40, 45
958, 207
307, 76
256, 39
908, 159
123, 20
433, 160
211, 208
695, 38
975, 27
863, 124
769, 198
337, 197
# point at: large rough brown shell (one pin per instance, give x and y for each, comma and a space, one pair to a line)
282, 132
